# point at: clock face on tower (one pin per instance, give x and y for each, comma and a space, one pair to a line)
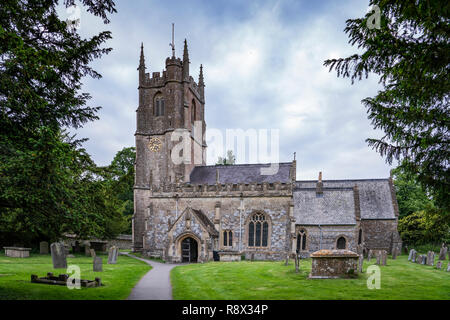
155, 144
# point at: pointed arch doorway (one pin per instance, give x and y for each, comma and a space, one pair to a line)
189, 250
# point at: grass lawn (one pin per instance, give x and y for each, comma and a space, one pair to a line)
118, 279
246, 280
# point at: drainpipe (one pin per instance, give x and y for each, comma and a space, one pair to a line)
240, 222
320, 243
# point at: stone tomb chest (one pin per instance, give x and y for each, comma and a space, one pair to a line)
229, 256
330, 264
17, 252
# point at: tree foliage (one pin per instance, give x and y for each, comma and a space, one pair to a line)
411, 196
425, 227
228, 160
411, 54
119, 180
48, 183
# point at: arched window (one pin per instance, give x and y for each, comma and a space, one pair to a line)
193, 111
360, 236
258, 231
158, 105
301, 241
228, 238
341, 243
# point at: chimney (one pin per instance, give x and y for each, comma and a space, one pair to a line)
319, 186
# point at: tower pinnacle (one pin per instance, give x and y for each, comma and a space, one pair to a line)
185, 62
141, 67
201, 84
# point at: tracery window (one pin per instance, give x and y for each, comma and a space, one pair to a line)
258, 231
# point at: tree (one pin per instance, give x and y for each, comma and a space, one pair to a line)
425, 227
119, 179
45, 176
228, 160
411, 196
411, 54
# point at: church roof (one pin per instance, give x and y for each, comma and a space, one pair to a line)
206, 222
375, 195
335, 207
239, 173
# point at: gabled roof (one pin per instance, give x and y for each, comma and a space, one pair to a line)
335, 207
239, 173
375, 195
201, 217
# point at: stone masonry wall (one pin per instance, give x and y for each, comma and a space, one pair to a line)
378, 233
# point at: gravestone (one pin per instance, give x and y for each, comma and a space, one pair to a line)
383, 257
430, 258
43, 247
424, 259
58, 255
360, 263
114, 252
439, 265
87, 250
394, 253
410, 255
405, 249
378, 259
419, 259
92, 253
448, 267
369, 255
414, 256
443, 252
98, 264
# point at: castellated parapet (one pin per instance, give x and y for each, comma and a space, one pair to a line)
186, 190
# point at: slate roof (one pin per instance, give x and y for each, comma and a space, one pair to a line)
374, 195
239, 173
336, 207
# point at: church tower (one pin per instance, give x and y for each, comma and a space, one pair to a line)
171, 112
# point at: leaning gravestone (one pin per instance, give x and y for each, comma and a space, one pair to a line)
43, 247
439, 265
360, 263
112, 255
414, 256
443, 252
410, 254
58, 255
369, 255
98, 264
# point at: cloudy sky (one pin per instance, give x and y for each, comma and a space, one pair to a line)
263, 66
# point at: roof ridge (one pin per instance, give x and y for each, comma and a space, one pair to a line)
242, 164
346, 180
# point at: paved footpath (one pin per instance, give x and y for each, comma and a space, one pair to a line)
155, 284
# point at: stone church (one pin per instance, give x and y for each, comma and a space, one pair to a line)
192, 212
